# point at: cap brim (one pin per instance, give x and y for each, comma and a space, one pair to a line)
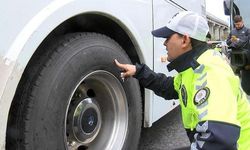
163, 32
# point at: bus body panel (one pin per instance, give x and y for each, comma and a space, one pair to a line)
32, 27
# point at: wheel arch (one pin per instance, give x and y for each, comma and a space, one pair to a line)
88, 22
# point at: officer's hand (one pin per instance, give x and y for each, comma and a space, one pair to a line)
128, 70
234, 39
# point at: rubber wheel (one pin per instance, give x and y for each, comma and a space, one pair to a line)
72, 97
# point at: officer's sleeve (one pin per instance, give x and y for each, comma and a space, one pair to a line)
247, 33
248, 37
215, 103
161, 84
243, 40
215, 135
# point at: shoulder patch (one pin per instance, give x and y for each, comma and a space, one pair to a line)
184, 95
201, 96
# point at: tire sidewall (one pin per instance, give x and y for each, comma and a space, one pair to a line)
78, 57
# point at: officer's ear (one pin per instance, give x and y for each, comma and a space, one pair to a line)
186, 41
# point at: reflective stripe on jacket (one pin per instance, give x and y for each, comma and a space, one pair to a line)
213, 104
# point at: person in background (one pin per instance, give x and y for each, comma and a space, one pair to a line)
239, 37
208, 37
238, 40
218, 48
215, 111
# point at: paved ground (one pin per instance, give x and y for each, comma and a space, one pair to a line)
165, 134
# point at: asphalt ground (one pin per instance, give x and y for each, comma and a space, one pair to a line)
165, 134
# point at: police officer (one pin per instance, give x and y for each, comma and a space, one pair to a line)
238, 40
218, 48
215, 111
239, 36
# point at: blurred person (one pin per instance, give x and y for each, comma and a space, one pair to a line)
239, 37
238, 41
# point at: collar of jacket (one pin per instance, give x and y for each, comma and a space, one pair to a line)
241, 28
188, 59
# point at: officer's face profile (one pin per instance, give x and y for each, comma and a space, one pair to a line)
239, 25
176, 45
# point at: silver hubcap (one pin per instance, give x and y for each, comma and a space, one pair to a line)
97, 116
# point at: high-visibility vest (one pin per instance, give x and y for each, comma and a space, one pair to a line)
213, 92
218, 49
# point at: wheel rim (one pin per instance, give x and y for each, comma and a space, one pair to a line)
97, 115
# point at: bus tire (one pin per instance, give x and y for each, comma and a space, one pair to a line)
75, 99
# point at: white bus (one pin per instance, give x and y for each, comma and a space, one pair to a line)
59, 88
